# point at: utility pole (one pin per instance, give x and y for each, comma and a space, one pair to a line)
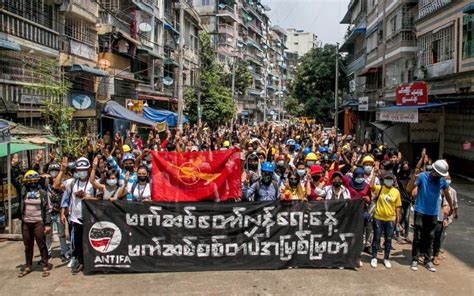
336, 91
384, 35
199, 89
180, 65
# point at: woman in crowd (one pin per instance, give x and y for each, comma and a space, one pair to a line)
293, 189
138, 191
110, 188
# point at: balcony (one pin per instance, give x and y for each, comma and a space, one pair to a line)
226, 29
439, 69
87, 9
252, 58
433, 6
356, 63
226, 12
26, 29
74, 47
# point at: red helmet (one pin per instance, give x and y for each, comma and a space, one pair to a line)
316, 170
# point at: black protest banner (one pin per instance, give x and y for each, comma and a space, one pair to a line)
158, 237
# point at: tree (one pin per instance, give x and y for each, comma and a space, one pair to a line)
243, 77
294, 107
49, 80
217, 104
314, 82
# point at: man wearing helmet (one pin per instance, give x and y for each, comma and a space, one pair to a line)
76, 190
426, 188
265, 189
36, 221
128, 165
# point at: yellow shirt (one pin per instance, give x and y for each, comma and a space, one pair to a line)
387, 203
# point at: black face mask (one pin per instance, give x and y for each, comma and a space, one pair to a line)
293, 183
31, 186
316, 178
142, 178
253, 166
337, 184
266, 179
128, 167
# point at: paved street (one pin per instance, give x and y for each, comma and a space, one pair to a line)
454, 277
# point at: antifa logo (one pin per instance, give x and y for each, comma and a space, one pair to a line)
104, 237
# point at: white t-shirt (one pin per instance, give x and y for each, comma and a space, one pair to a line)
140, 192
75, 204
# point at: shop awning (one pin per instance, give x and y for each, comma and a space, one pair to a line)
427, 106
151, 53
18, 146
369, 71
39, 140
19, 131
87, 69
116, 110
382, 125
170, 27
9, 45
469, 8
156, 98
171, 118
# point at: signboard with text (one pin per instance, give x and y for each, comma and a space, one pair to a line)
410, 116
412, 94
426, 130
363, 104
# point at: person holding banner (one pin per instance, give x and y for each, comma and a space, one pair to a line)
266, 188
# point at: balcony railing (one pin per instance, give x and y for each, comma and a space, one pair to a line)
356, 64
88, 5
432, 6
226, 29
77, 48
440, 69
28, 30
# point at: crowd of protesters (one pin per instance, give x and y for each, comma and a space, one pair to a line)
279, 162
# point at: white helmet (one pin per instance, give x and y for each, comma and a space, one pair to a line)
441, 167
82, 163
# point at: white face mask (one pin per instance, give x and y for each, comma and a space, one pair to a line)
388, 182
367, 169
54, 174
448, 181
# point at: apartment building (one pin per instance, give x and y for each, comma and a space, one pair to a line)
445, 34
301, 42
29, 33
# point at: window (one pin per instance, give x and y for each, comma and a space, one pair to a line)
81, 30
468, 37
372, 42
437, 46
205, 2
111, 4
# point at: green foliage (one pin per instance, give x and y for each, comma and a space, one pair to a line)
314, 82
217, 104
59, 117
243, 78
294, 107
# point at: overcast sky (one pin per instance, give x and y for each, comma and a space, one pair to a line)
321, 17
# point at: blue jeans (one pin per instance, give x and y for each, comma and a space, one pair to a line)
56, 220
387, 228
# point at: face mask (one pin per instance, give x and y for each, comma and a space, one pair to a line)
316, 178
82, 174
448, 181
367, 169
149, 167
310, 164
281, 163
318, 162
429, 167
293, 183
266, 179
388, 182
128, 167
359, 180
54, 174
111, 182
253, 166
337, 184
31, 186
301, 173
142, 178
76, 175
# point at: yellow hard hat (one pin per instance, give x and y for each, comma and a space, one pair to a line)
381, 147
311, 156
368, 159
226, 144
274, 150
346, 147
297, 137
126, 148
31, 175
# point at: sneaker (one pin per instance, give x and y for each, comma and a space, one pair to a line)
72, 263
373, 262
360, 263
341, 268
430, 267
414, 266
65, 258
78, 269
387, 263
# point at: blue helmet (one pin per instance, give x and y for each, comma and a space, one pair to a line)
128, 156
306, 151
290, 142
334, 157
297, 147
323, 150
268, 167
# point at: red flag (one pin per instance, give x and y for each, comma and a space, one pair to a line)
196, 176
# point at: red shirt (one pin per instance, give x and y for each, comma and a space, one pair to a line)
354, 193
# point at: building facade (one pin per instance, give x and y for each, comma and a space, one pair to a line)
301, 42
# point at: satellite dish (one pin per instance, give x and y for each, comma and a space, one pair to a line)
144, 27
167, 80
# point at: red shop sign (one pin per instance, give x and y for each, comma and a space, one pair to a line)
412, 94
